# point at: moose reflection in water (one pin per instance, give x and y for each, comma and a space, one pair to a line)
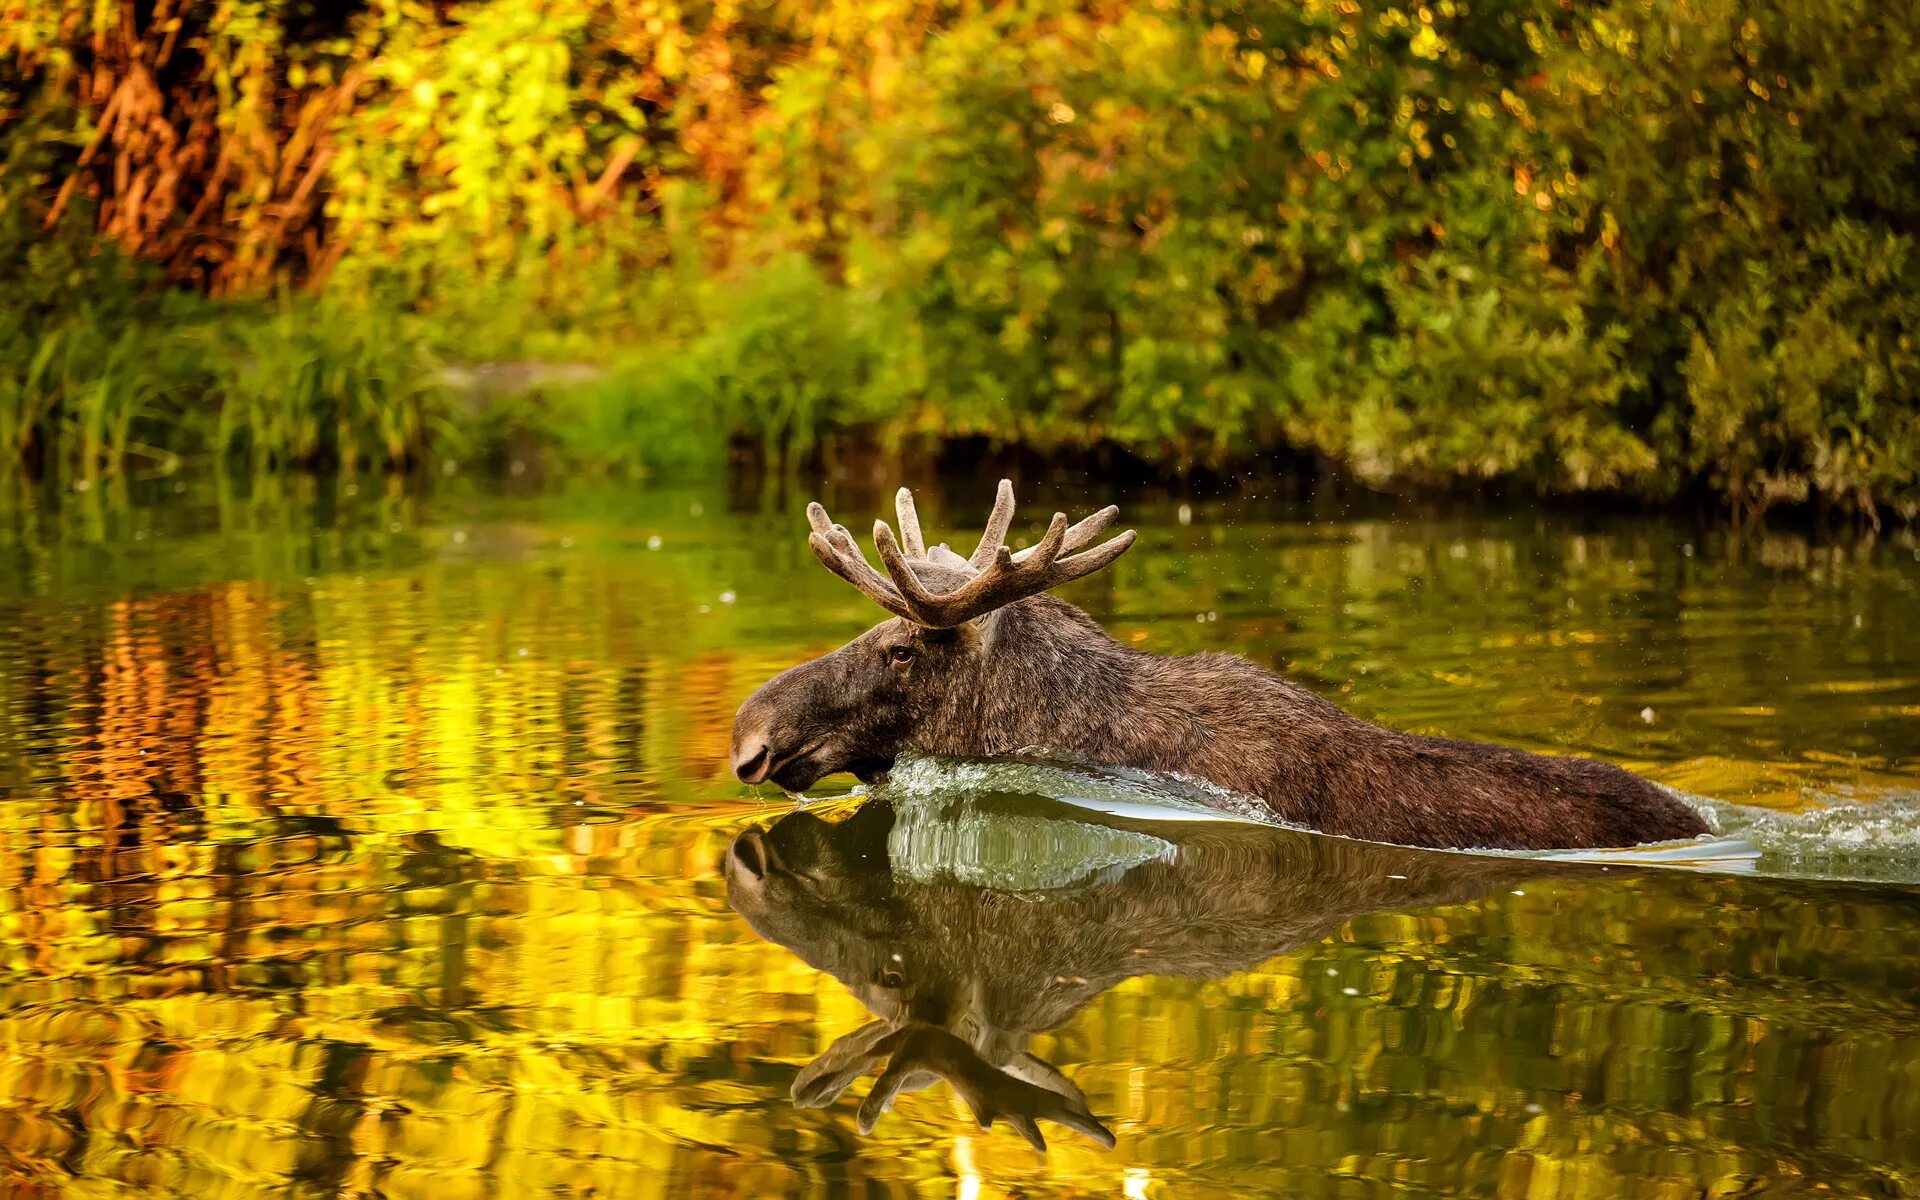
968, 926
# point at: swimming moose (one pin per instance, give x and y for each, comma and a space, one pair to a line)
979, 660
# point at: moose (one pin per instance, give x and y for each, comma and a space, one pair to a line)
977, 660
959, 977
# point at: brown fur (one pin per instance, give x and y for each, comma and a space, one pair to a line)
1040, 674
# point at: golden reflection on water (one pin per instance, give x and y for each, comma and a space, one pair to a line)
373, 848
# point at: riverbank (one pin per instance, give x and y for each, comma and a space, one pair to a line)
1636, 248
171, 385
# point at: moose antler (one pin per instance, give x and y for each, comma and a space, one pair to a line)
1023, 1093
998, 576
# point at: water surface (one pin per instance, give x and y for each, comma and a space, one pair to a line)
370, 842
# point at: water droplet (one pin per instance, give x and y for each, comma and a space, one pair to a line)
654, 542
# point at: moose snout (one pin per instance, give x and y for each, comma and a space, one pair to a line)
790, 732
752, 760
756, 750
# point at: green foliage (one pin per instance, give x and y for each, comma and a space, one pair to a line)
91, 379
778, 356
332, 381
1642, 245
787, 356
1747, 213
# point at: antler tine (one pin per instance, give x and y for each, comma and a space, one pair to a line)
837, 551
1048, 547
905, 581
1082, 534
1079, 566
909, 523
818, 519
995, 535
919, 1053
821, 1081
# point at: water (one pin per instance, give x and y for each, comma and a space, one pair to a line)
366, 842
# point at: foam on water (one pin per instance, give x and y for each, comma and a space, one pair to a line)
1013, 852
948, 828
1875, 839
1119, 791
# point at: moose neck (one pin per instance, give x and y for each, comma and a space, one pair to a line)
1052, 679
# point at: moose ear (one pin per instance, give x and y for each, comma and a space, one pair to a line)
988, 628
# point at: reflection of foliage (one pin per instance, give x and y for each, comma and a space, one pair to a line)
293, 898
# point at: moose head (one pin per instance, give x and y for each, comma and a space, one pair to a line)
958, 648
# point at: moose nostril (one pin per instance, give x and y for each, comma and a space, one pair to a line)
751, 767
748, 852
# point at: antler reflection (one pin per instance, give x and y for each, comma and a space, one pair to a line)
1023, 1093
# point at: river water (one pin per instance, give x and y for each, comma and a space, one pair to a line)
359, 840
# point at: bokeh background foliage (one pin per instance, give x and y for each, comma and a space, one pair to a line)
1648, 246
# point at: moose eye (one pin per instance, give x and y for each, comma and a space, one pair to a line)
900, 656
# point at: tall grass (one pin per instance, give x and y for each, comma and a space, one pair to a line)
300, 383
325, 382
86, 396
